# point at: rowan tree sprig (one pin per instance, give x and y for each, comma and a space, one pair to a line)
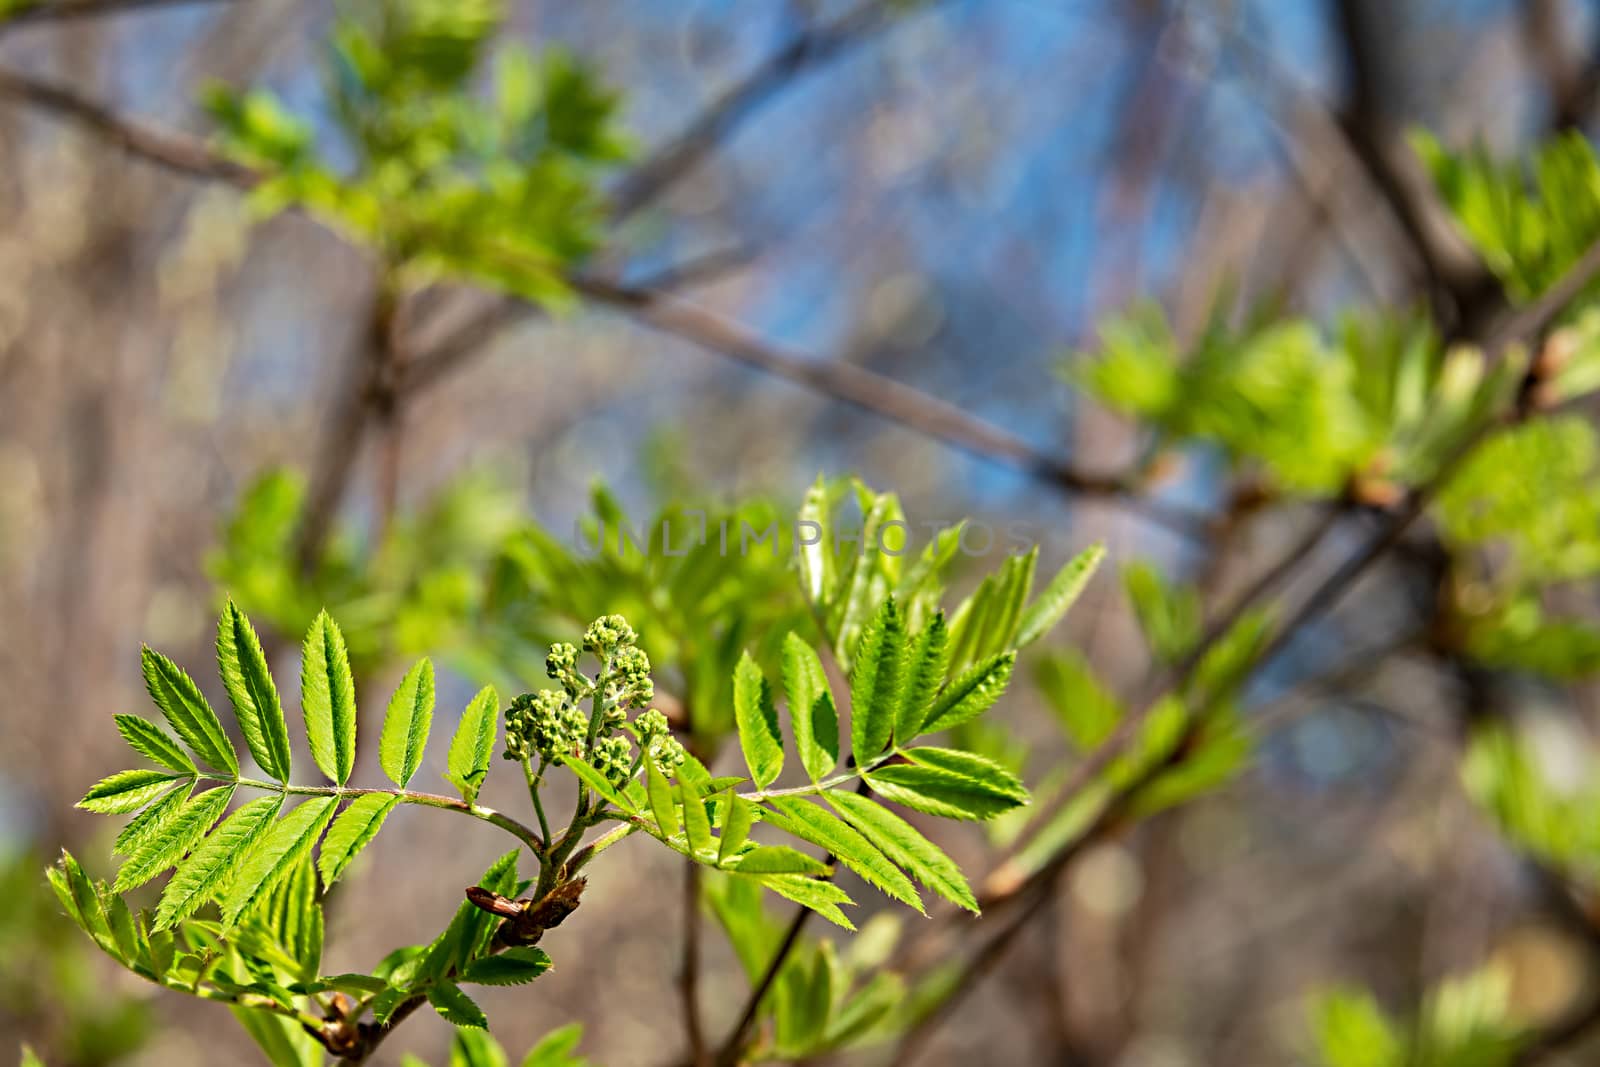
264, 865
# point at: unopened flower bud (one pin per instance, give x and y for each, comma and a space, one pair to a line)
607, 633
613, 757
667, 753
650, 725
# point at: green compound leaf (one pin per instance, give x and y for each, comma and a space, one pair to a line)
662, 803
457, 1008
901, 842
696, 824
937, 791
777, 859
128, 791
815, 548
166, 846
1064, 589
469, 934
812, 715
517, 966
927, 661
598, 782
972, 693
738, 816
981, 770
150, 820
877, 682
823, 898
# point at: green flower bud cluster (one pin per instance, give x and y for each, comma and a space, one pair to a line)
545, 724
667, 753
562, 665
608, 633
613, 757
650, 725
655, 737
628, 680
553, 723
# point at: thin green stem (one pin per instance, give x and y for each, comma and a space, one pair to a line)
612, 836
818, 788
535, 780
527, 835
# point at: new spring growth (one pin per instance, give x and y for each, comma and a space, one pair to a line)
655, 738
553, 723
545, 724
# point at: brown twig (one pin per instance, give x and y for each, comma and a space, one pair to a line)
371, 393
1553, 1045
469, 337
172, 150
1572, 81
899, 403
1462, 291
733, 1046
894, 400
1173, 679
73, 10
524, 923
1533, 319
810, 49
689, 976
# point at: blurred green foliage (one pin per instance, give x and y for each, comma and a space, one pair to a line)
1463, 1023
475, 1048
50, 977
443, 183
1506, 775
418, 589
447, 169
824, 1000
1315, 415
1530, 218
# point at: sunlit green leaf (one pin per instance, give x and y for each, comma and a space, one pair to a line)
328, 699
405, 727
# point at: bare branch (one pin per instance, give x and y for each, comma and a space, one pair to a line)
711, 127
728, 1055
1461, 289
72, 10
1170, 680
477, 329
1008, 885
1573, 82
689, 977
177, 152
895, 401
369, 393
